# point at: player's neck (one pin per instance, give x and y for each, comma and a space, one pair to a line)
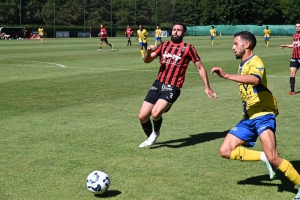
247, 56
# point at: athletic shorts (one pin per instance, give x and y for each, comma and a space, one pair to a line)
103, 39
158, 38
295, 62
159, 90
143, 44
212, 37
41, 35
267, 38
249, 129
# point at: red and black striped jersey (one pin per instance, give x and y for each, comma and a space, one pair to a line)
174, 60
296, 47
103, 33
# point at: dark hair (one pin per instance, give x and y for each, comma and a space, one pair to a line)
181, 24
248, 36
297, 22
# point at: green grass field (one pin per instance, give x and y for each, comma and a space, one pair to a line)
67, 110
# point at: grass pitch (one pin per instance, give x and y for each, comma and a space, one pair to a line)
67, 110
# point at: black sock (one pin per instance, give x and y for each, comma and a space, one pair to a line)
292, 84
157, 124
147, 127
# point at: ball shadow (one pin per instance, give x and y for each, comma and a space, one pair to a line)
109, 193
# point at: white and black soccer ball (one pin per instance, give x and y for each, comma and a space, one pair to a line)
98, 182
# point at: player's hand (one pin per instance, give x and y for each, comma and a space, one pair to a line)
151, 48
210, 93
282, 46
219, 71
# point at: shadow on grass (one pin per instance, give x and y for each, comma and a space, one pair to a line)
108, 194
191, 140
286, 184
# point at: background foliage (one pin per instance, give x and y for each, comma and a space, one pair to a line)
147, 12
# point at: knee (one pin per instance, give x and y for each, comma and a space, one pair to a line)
156, 114
224, 153
143, 118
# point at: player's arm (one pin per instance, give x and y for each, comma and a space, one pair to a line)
245, 79
204, 77
286, 45
150, 54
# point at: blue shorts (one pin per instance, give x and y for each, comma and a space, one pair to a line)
142, 44
267, 38
212, 37
158, 38
249, 129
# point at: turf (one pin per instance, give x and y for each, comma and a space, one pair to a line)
67, 110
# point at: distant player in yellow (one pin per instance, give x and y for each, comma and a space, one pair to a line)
41, 34
267, 35
213, 34
142, 36
259, 111
157, 35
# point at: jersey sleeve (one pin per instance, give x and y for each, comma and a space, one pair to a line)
257, 71
193, 54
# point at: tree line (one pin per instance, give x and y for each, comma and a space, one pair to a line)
119, 13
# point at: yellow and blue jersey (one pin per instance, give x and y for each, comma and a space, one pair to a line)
158, 32
142, 35
257, 99
267, 33
41, 31
213, 32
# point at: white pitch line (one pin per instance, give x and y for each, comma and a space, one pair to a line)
60, 65
112, 69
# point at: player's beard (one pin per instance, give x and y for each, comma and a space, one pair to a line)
240, 54
178, 39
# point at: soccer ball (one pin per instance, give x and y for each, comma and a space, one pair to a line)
98, 182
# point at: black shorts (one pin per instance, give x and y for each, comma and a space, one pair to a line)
163, 91
103, 39
295, 62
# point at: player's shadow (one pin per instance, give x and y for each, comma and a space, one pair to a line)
191, 140
264, 180
108, 194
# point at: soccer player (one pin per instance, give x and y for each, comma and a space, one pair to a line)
295, 60
91, 32
157, 35
24, 33
213, 34
259, 111
175, 56
128, 34
142, 36
267, 35
103, 37
41, 33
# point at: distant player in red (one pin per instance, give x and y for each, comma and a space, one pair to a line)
128, 34
103, 37
295, 60
175, 56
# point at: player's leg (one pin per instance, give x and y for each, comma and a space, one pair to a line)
109, 44
155, 44
141, 49
212, 40
294, 66
268, 142
100, 45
